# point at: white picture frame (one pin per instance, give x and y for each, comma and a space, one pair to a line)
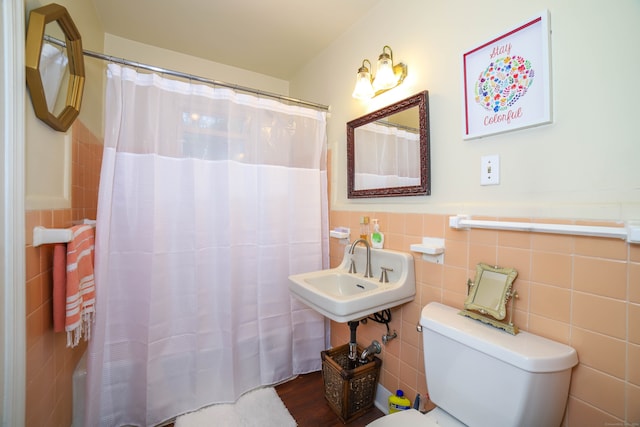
507, 80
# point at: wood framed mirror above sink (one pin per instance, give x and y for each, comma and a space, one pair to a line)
55, 76
388, 151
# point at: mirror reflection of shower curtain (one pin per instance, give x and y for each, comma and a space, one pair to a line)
208, 200
386, 156
53, 70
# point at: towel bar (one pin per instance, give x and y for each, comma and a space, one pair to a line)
43, 235
631, 232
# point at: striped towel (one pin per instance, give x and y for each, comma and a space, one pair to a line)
81, 289
59, 286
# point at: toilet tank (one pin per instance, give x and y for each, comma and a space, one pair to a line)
484, 376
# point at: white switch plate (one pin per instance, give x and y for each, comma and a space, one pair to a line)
490, 170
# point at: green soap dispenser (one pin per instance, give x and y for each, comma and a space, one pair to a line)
377, 238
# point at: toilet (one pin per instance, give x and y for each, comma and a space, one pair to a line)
482, 376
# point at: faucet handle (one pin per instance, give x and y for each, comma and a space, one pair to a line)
352, 267
384, 278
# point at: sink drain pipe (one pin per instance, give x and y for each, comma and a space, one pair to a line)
383, 317
353, 346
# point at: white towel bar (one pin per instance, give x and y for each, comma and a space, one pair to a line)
43, 235
630, 233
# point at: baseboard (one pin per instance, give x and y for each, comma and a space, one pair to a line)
382, 399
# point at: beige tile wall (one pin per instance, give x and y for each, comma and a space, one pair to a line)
581, 291
49, 364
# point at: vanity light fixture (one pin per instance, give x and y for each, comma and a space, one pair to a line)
364, 88
388, 76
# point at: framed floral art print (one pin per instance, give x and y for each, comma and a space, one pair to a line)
507, 81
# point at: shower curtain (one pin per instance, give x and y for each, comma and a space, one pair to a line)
208, 200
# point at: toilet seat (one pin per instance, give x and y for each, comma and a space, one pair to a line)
413, 418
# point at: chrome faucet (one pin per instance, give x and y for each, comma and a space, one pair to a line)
367, 272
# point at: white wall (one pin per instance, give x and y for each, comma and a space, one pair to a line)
12, 254
585, 165
171, 60
48, 152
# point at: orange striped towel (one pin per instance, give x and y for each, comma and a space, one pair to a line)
81, 289
59, 286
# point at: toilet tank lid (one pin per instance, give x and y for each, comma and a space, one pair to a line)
526, 351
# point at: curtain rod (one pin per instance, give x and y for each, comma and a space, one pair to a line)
381, 122
180, 74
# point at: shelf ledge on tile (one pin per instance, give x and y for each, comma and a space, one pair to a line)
343, 234
431, 248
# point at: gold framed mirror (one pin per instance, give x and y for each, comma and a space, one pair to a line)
388, 151
490, 290
49, 69
489, 294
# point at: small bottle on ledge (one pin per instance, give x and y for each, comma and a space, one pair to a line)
364, 228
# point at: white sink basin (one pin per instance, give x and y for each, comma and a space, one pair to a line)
340, 284
344, 296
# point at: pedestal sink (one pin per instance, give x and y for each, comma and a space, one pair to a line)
343, 296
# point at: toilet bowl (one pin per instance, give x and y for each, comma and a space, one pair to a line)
481, 376
413, 418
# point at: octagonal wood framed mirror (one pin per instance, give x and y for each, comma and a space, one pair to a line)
55, 77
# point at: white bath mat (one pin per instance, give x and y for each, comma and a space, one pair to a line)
257, 408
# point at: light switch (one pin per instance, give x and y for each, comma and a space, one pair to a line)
490, 170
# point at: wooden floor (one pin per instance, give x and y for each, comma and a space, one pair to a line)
304, 398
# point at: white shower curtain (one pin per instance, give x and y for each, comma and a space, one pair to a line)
208, 200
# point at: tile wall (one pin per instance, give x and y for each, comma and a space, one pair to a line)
581, 291
50, 364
